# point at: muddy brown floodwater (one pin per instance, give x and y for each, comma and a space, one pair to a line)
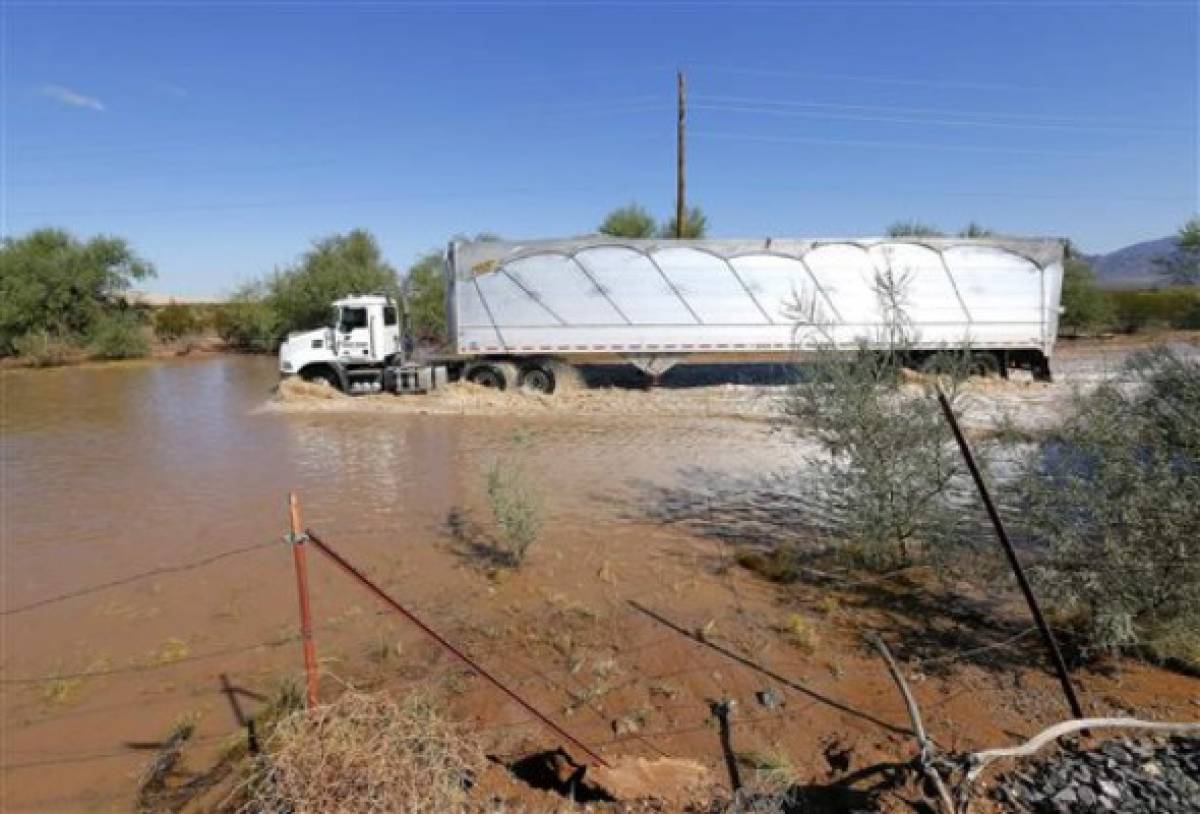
112, 470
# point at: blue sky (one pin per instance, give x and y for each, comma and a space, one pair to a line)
221, 138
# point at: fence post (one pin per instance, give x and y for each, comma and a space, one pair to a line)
1035, 610
298, 538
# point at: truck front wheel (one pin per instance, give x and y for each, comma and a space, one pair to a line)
321, 374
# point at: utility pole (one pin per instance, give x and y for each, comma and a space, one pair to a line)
680, 205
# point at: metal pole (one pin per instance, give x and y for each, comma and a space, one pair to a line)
1035, 609
680, 204
306, 634
433, 634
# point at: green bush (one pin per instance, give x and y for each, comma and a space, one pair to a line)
1086, 309
632, 220
41, 348
119, 336
247, 321
1113, 501
1161, 308
176, 321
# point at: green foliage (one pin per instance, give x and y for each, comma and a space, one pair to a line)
632, 220
1114, 499
40, 348
338, 265
1163, 308
119, 335
247, 321
425, 299
53, 282
1182, 267
913, 228
514, 510
974, 229
695, 224
177, 320
888, 455
1085, 307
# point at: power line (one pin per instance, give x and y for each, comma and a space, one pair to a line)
934, 111
899, 145
154, 572
821, 114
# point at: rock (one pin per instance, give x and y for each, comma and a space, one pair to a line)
1108, 789
769, 698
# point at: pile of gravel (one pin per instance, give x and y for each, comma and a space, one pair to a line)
1152, 775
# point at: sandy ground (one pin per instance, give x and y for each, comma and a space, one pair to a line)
629, 621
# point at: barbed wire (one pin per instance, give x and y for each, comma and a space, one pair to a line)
153, 572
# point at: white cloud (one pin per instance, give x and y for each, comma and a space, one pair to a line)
72, 98
171, 89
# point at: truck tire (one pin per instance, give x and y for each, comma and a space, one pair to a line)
321, 373
537, 378
499, 375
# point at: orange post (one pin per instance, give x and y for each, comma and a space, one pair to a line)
298, 539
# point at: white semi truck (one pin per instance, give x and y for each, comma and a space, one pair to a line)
521, 314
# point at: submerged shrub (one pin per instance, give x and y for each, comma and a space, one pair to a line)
1113, 497
514, 510
119, 336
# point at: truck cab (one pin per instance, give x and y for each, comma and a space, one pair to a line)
362, 338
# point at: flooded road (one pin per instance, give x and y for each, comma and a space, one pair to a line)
114, 470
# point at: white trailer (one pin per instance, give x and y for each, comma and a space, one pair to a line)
520, 313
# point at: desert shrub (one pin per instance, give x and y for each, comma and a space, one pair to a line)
889, 458
176, 321
119, 336
1113, 498
1161, 308
247, 321
363, 753
631, 220
41, 348
515, 512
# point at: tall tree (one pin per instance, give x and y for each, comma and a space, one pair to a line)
335, 266
54, 282
695, 225
1182, 266
631, 220
913, 228
425, 298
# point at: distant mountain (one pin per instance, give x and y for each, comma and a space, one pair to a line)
1133, 266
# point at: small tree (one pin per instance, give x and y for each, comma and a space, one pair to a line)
913, 228
889, 456
632, 221
974, 229
424, 290
1182, 266
247, 321
695, 225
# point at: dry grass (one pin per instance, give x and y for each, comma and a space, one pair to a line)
800, 633
363, 753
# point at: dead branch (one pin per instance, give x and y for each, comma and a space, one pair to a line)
925, 756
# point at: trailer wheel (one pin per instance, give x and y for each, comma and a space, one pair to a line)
537, 379
984, 364
500, 375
